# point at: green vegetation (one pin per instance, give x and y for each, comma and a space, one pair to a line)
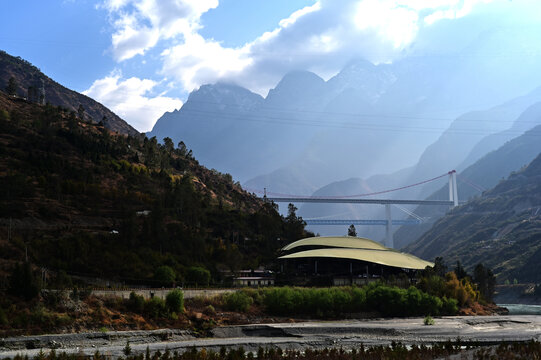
98, 204
198, 276
428, 320
338, 301
237, 301
175, 301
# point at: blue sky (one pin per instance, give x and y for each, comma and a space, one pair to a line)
143, 57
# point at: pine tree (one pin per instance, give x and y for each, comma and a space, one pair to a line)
11, 88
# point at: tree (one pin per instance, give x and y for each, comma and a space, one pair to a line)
23, 283
460, 272
440, 268
175, 301
169, 145
485, 280
11, 88
294, 225
81, 112
182, 150
352, 231
198, 276
165, 275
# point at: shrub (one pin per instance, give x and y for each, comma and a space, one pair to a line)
3, 317
23, 283
237, 301
198, 276
428, 320
175, 301
450, 306
164, 275
155, 308
136, 303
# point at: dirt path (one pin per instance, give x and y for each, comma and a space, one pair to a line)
347, 334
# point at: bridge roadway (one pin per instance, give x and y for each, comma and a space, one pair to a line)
361, 222
359, 201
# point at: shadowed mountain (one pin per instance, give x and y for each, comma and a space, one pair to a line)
500, 228
483, 174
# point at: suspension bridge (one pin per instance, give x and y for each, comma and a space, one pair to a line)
358, 199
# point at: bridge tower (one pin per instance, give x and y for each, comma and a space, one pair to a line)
453, 190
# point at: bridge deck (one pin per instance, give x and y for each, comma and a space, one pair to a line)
359, 201
361, 222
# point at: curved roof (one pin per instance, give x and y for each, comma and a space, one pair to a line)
383, 257
337, 242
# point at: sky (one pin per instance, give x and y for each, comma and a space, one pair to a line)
142, 58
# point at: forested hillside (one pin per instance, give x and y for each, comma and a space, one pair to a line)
79, 198
29, 82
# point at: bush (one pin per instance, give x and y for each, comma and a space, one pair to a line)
3, 317
175, 301
136, 303
428, 320
155, 308
165, 275
450, 306
198, 276
237, 301
23, 283
332, 302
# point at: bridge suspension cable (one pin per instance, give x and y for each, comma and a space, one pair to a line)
350, 196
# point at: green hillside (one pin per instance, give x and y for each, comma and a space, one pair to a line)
80, 198
501, 228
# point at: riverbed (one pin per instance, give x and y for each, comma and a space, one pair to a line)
481, 330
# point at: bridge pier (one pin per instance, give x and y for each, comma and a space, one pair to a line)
389, 241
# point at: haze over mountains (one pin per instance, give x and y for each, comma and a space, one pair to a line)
369, 127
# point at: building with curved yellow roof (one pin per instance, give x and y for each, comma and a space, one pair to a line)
346, 259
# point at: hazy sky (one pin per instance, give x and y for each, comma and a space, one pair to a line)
142, 57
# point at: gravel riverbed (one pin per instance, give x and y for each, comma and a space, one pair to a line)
481, 330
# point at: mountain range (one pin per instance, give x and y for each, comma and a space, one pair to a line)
500, 228
367, 128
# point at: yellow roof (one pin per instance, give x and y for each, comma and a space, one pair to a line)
337, 242
382, 257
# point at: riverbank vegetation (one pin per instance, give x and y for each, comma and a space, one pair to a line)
527, 350
25, 309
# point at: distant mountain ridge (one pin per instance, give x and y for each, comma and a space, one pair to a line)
27, 75
452, 150
485, 173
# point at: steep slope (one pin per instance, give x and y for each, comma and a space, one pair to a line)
86, 200
501, 228
28, 76
483, 174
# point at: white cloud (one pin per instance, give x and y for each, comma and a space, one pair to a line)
322, 37
129, 99
140, 24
